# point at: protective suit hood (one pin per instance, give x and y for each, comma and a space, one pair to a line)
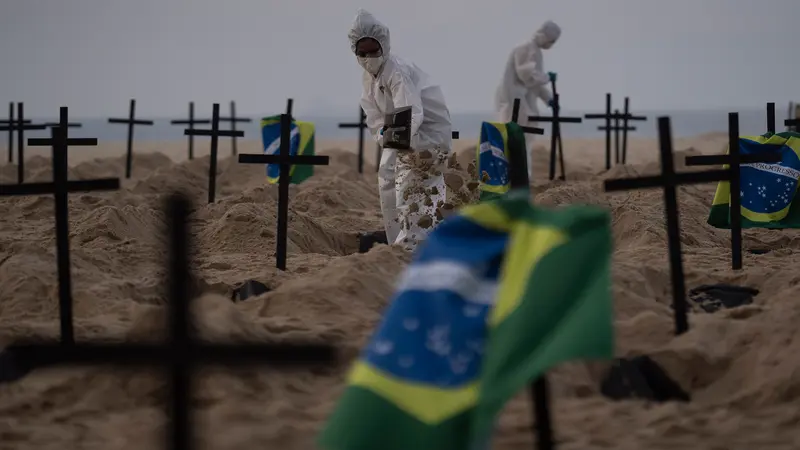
365, 25
549, 32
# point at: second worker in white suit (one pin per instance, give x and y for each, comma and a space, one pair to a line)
524, 78
411, 182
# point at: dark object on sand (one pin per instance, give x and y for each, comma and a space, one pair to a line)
367, 240
640, 378
249, 288
14, 364
714, 297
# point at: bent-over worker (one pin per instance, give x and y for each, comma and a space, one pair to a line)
524, 78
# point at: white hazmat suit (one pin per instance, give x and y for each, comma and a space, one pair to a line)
524, 78
411, 183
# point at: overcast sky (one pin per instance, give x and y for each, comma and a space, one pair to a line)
93, 55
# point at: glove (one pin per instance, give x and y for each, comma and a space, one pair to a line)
552, 76
380, 136
550, 103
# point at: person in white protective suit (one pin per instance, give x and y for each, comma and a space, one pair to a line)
410, 182
524, 78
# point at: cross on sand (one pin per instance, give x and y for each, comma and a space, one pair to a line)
233, 120
361, 126
286, 160
735, 160
771, 117
619, 154
625, 117
215, 133
191, 122
539, 391
518, 169
555, 135
130, 121
60, 188
181, 355
10, 131
790, 123
669, 180
20, 125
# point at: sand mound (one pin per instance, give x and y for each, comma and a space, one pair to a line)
740, 365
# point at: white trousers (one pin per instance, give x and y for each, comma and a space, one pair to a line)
411, 186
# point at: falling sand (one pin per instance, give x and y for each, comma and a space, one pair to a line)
741, 365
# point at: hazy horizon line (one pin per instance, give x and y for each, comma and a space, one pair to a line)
343, 114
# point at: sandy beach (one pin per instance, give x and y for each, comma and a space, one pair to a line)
740, 365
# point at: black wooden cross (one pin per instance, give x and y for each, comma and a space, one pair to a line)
286, 160
607, 117
616, 128
555, 135
10, 130
215, 134
519, 163
626, 117
539, 391
191, 122
616, 116
771, 117
669, 180
734, 160
182, 353
20, 125
60, 188
361, 126
233, 120
621, 153
790, 116
130, 121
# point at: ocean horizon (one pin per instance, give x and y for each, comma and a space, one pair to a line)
684, 124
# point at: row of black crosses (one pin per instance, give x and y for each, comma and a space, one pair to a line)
669, 180
61, 187
20, 125
284, 158
620, 154
131, 121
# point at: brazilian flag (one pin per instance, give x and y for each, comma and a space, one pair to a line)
494, 150
768, 190
497, 295
301, 143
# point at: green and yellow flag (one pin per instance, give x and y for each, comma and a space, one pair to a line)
768, 190
494, 154
301, 142
496, 296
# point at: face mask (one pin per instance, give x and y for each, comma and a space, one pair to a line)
543, 42
371, 65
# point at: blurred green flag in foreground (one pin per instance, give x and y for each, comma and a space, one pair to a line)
496, 296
